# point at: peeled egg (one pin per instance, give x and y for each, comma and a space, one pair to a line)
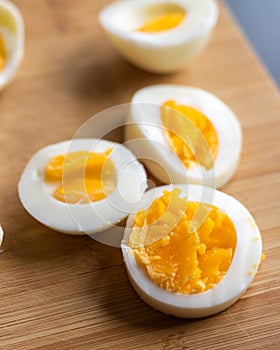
159, 36
184, 135
82, 185
190, 251
11, 41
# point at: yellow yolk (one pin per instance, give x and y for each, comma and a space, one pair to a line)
81, 177
162, 22
178, 259
189, 128
2, 53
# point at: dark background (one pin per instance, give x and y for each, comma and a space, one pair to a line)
260, 22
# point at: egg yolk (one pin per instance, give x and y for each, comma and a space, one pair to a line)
81, 177
189, 128
176, 257
2, 53
162, 22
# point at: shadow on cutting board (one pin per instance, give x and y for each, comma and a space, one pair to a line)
105, 76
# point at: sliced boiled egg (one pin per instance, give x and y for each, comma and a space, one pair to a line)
191, 251
82, 185
184, 135
11, 41
159, 36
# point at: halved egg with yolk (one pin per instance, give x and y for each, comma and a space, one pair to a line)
191, 251
82, 185
159, 36
11, 41
184, 135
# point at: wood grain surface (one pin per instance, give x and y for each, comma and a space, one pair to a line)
61, 292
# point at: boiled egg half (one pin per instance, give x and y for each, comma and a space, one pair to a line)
159, 36
11, 41
191, 251
82, 185
184, 135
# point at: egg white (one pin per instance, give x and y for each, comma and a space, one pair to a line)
89, 218
241, 272
161, 52
1, 235
12, 31
145, 135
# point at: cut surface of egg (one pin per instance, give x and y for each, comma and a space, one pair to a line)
159, 36
191, 251
82, 185
11, 41
81, 177
184, 135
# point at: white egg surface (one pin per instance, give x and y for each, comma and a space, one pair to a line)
159, 36
1, 235
46, 202
146, 134
11, 41
158, 288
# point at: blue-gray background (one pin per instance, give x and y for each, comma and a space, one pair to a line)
260, 21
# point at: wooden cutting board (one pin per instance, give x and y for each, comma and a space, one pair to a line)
61, 292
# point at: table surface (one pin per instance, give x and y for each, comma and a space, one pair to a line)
63, 292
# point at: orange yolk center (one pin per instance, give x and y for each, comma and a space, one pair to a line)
177, 257
162, 22
2, 53
81, 177
193, 137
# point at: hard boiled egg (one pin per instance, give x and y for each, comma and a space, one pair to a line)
159, 36
184, 135
191, 251
82, 185
11, 41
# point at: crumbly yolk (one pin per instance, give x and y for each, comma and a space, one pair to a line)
162, 22
189, 127
182, 260
81, 177
2, 53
